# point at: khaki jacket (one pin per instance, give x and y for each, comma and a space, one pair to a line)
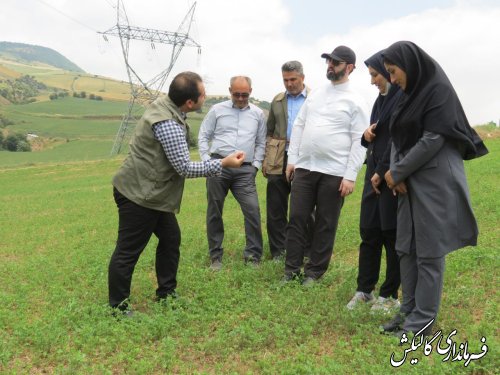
277, 123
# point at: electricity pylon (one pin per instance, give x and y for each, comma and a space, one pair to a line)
142, 92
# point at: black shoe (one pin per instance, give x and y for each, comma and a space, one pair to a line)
403, 334
395, 323
161, 298
289, 277
216, 264
279, 256
252, 261
122, 310
309, 282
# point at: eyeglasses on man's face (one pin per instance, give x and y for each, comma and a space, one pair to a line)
335, 62
240, 94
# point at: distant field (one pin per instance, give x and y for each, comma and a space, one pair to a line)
7, 73
69, 106
75, 129
108, 88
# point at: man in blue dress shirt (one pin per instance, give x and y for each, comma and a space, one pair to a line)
284, 109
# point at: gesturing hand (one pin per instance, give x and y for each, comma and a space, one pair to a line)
233, 160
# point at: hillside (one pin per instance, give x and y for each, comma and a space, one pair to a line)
57, 80
37, 54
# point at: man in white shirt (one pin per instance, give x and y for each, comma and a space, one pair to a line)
234, 125
324, 157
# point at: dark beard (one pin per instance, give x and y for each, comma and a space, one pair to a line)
332, 76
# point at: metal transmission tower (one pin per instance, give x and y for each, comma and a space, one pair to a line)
141, 92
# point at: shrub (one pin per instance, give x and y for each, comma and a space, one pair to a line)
4, 121
23, 146
16, 142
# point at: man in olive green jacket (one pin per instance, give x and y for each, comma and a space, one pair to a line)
149, 185
284, 108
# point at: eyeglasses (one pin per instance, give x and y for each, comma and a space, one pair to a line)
240, 94
335, 62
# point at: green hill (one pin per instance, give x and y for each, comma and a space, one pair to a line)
31, 54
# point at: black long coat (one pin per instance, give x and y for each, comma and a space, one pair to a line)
379, 210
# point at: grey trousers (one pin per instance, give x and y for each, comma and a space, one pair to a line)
422, 283
241, 182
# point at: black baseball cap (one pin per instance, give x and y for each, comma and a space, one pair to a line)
341, 53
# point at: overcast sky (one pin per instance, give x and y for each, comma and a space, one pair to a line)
255, 37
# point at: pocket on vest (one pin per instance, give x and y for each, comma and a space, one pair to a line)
275, 155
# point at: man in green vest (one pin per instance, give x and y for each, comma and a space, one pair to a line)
149, 185
284, 109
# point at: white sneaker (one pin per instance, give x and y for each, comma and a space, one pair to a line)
360, 297
386, 305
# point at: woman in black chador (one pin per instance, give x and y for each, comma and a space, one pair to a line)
379, 204
431, 137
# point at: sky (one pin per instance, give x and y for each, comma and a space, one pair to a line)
255, 38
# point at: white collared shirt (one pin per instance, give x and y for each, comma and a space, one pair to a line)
326, 135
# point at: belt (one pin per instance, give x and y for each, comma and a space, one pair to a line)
217, 156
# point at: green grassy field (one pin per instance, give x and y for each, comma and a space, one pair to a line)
57, 232
72, 129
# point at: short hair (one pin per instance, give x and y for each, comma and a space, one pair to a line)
249, 81
292, 66
184, 86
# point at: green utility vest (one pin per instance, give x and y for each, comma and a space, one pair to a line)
146, 177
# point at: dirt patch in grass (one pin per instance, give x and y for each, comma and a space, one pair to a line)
42, 143
488, 131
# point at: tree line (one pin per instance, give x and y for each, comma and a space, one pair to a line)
21, 90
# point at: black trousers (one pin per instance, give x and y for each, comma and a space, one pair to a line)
370, 255
277, 194
309, 190
136, 225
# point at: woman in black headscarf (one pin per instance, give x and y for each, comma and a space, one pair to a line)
431, 137
378, 204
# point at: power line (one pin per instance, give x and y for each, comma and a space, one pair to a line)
110, 4
67, 16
